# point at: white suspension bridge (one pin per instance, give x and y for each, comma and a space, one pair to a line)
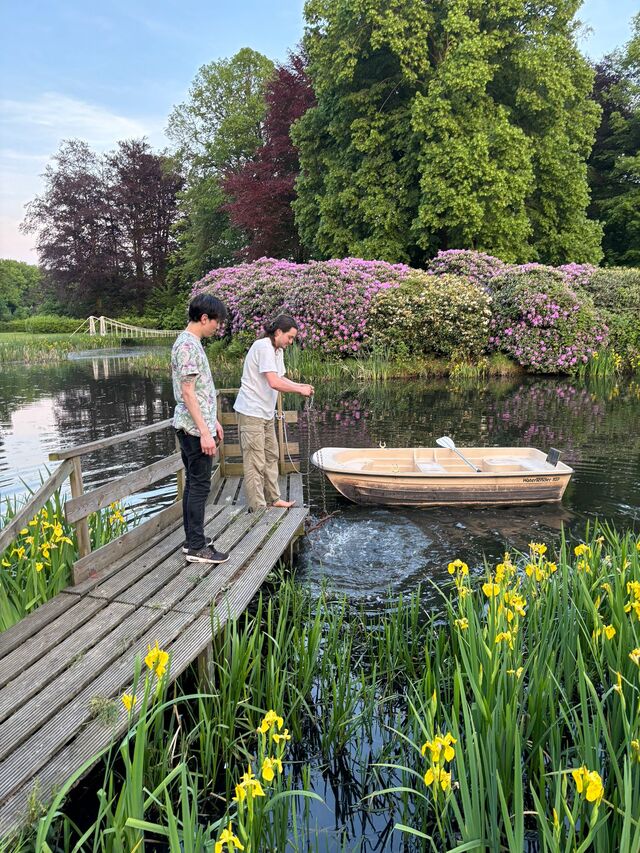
107, 326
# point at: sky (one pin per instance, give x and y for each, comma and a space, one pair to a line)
113, 70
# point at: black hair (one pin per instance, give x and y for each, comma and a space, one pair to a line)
205, 303
282, 323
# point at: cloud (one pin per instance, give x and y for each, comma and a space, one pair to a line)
53, 117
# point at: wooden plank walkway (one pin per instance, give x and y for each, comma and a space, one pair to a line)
79, 649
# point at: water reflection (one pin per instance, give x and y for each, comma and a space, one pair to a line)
364, 551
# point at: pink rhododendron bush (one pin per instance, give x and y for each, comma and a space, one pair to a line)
464, 304
542, 322
329, 299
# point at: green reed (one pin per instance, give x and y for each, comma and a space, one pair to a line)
41, 349
38, 564
509, 715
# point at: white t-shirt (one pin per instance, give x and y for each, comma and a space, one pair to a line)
257, 398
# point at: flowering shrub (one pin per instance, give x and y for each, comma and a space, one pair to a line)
329, 299
542, 323
616, 292
447, 315
475, 266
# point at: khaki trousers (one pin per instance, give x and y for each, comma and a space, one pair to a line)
260, 460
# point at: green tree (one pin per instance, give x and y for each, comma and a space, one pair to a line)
452, 124
614, 166
18, 287
215, 131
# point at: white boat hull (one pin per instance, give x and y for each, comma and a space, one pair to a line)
438, 477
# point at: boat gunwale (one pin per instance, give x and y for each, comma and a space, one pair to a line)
328, 467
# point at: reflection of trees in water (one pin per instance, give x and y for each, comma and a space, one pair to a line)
114, 403
594, 424
22, 384
536, 412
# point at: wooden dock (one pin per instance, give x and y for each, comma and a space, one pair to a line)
76, 654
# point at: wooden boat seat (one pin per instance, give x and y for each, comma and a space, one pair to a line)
430, 467
508, 464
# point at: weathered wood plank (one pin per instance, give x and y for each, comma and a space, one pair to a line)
53, 733
34, 505
233, 469
157, 588
228, 493
14, 811
296, 489
149, 562
101, 443
283, 485
249, 579
99, 498
47, 638
205, 592
148, 533
25, 761
190, 575
234, 449
62, 655
62, 691
17, 634
93, 579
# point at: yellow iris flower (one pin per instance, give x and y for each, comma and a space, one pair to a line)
227, 837
589, 784
270, 719
157, 660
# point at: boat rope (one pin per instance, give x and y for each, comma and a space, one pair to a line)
313, 444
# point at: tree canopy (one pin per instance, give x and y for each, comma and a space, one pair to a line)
263, 189
103, 224
614, 165
216, 131
449, 124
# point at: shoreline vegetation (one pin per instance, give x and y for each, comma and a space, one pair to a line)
506, 716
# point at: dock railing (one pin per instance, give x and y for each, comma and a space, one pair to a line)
81, 504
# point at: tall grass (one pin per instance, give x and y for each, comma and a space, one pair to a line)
510, 717
38, 564
41, 349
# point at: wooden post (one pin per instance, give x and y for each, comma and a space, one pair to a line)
92, 325
179, 475
221, 453
103, 327
205, 664
82, 525
281, 436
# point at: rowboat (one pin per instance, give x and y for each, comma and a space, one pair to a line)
421, 476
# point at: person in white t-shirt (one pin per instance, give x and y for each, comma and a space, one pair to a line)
263, 376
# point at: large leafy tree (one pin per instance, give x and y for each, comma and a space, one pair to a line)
458, 123
19, 286
103, 225
216, 131
614, 166
263, 189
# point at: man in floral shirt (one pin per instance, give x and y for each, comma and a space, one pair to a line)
195, 421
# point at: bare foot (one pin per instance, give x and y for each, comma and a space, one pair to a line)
285, 504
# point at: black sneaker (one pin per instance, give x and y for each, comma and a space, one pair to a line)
207, 544
206, 555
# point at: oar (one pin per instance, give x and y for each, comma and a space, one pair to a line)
445, 441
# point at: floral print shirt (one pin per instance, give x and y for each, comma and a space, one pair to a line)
188, 358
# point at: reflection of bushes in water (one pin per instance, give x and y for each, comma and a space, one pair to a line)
538, 413
563, 412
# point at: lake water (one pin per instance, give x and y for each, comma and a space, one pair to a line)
363, 551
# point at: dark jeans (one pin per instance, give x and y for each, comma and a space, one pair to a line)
197, 466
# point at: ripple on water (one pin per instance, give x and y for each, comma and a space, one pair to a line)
367, 552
